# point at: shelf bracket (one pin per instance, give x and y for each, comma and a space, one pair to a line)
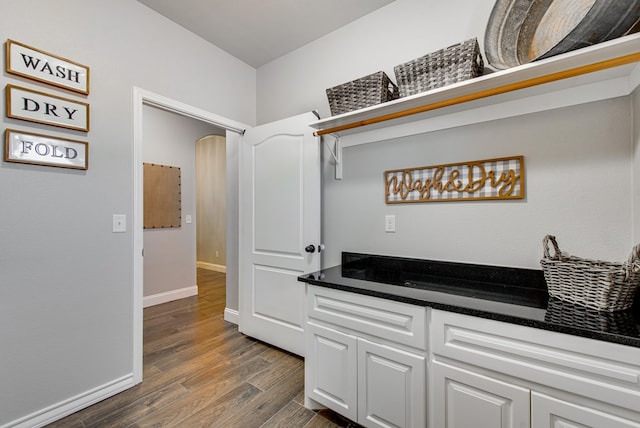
336, 153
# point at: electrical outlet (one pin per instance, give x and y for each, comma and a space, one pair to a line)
390, 223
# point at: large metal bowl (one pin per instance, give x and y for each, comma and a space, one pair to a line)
521, 31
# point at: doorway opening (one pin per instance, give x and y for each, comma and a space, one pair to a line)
232, 130
210, 172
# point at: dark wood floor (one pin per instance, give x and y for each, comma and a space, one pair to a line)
199, 371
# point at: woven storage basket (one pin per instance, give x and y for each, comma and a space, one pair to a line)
456, 63
366, 91
619, 322
600, 285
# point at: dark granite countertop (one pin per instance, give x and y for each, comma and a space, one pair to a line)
513, 295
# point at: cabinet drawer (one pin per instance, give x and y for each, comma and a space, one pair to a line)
550, 411
394, 321
600, 370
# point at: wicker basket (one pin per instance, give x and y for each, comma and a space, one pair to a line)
370, 90
456, 63
565, 313
596, 284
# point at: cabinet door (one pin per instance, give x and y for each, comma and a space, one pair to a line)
549, 412
464, 399
391, 387
330, 370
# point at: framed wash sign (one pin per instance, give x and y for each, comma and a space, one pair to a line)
32, 63
40, 107
38, 149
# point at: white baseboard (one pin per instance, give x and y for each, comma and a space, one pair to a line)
232, 316
65, 408
211, 266
169, 296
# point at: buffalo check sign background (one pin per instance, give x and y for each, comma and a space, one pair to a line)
488, 179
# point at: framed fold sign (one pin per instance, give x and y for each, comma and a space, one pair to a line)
32, 63
40, 107
38, 149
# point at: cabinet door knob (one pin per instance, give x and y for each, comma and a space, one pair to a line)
310, 248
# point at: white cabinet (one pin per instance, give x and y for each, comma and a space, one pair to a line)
391, 386
367, 359
369, 378
549, 412
331, 370
464, 399
492, 374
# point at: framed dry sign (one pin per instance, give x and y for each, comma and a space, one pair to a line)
38, 149
487, 179
32, 63
34, 106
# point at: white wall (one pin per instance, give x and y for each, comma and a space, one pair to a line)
66, 283
211, 171
170, 254
392, 35
578, 160
578, 187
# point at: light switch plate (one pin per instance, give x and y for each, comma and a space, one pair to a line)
119, 223
188, 218
390, 223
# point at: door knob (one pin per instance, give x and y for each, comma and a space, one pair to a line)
310, 248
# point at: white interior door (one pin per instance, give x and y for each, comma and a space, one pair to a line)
279, 222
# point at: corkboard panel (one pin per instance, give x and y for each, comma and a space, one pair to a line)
162, 196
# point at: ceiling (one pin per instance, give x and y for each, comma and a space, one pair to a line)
258, 31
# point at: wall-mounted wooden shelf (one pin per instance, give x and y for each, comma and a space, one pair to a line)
603, 71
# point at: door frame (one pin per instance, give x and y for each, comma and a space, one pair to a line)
142, 97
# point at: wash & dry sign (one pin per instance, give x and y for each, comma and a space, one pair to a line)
488, 179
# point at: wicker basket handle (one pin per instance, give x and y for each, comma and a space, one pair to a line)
394, 91
633, 263
479, 63
556, 249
